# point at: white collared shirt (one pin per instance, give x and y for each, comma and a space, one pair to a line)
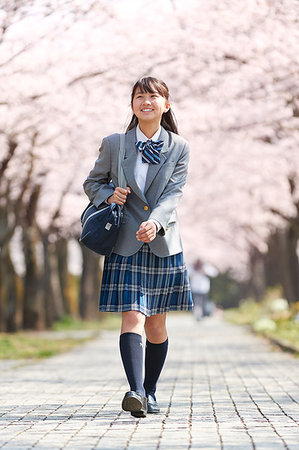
142, 168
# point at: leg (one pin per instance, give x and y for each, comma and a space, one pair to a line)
132, 322
131, 350
197, 310
155, 328
155, 355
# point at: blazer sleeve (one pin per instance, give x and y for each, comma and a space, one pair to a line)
96, 185
173, 191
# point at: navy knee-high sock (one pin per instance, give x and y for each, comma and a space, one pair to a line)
131, 350
155, 355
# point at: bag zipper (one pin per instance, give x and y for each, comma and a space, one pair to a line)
91, 215
82, 220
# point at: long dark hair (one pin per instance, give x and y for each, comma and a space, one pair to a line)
151, 84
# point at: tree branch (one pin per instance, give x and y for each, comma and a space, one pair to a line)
12, 145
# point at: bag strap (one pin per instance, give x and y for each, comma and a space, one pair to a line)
120, 174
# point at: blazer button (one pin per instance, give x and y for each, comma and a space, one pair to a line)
145, 208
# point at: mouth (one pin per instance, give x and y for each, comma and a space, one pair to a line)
147, 110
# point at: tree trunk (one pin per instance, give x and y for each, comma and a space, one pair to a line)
90, 283
282, 263
257, 281
285, 275
8, 278
289, 263
62, 255
3, 289
53, 301
293, 263
33, 314
273, 261
10, 293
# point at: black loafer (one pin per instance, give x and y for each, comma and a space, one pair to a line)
135, 403
152, 405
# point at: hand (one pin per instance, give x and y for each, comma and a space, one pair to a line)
119, 196
147, 232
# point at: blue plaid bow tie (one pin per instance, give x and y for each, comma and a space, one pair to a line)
150, 151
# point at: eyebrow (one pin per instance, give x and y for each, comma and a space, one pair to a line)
152, 93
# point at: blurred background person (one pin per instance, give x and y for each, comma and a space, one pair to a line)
199, 274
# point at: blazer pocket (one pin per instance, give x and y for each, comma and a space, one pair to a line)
170, 225
173, 218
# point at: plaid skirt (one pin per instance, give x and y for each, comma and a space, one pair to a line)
145, 282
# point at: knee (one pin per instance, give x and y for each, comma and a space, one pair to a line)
156, 331
154, 327
132, 321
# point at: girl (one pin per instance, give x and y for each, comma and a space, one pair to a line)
146, 275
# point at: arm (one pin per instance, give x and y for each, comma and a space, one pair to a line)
173, 191
96, 185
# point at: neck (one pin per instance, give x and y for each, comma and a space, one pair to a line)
149, 129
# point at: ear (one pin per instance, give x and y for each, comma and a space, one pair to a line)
167, 107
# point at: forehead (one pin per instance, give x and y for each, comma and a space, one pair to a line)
139, 90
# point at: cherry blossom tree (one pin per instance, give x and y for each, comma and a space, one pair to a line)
68, 68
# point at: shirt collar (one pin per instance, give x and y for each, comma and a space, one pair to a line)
141, 137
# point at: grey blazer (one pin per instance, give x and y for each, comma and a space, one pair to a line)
163, 189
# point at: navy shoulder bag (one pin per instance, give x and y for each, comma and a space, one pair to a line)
100, 226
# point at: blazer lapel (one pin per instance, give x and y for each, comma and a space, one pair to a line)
130, 162
153, 169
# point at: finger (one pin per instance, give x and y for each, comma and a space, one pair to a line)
142, 233
119, 200
121, 197
147, 235
147, 240
145, 226
121, 191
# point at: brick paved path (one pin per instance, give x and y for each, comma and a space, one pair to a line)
221, 388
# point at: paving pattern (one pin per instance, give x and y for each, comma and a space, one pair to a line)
221, 388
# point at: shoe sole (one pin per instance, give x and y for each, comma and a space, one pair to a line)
138, 414
153, 411
131, 404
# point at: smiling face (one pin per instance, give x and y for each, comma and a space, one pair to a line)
149, 106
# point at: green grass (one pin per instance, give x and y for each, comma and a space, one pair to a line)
33, 345
26, 345
109, 322
247, 313
281, 327
286, 331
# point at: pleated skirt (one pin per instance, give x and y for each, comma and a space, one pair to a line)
145, 282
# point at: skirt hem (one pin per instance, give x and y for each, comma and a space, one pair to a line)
147, 313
